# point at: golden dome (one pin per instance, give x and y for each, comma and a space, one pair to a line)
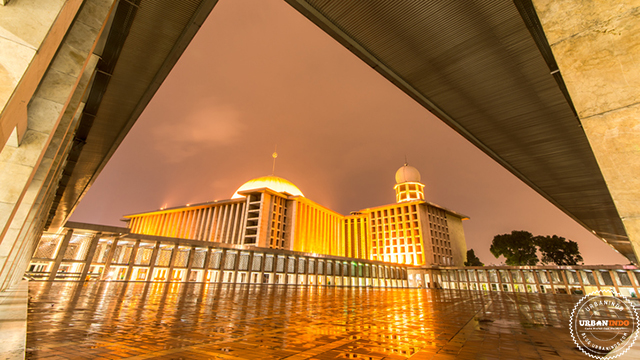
271, 182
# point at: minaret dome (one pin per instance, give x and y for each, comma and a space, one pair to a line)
408, 186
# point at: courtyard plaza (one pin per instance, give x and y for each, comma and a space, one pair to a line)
137, 320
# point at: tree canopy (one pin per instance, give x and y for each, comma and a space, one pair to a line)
518, 248
472, 259
558, 250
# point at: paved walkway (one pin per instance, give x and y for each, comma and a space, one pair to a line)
13, 321
197, 321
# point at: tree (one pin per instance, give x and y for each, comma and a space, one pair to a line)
558, 250
519, 248
472, 259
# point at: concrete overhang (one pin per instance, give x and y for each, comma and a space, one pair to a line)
144, 42
485, 69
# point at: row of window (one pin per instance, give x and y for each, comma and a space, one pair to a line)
412, 225
278, 223
399, 258
573, 277
443, 260
439, 250
394, 220
395, 211
396, 250
440, 235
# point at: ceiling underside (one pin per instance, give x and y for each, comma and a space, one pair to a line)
485, 69
144, 42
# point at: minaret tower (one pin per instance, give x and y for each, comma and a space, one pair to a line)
408, 186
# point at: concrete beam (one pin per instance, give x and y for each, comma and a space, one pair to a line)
31, 32
30, 171
597, 46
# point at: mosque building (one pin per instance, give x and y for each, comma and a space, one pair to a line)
271, 212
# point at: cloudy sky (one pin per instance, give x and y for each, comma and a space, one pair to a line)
258, 74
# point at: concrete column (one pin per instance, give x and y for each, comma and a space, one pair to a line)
579, 275
613, 280
236, 265
205, 267
551, 282
132, 259
152, 261
595, 44
41, 110
192, 256
223, 258
250, 266
563, 276
634, 282
172, 261
107, 263
32, 32
90, 253
61, 250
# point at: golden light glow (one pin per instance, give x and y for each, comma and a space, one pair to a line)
277, 215
274, 183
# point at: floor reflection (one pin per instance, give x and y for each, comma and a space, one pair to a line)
112, 320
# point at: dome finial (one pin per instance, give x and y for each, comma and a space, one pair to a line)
405, 160
275, 155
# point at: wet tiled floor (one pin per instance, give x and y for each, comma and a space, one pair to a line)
103, 320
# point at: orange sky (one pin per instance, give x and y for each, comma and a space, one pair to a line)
259, 74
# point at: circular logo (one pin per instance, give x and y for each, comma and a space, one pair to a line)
603, 324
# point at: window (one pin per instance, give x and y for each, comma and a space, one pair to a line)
606, 277
623, 278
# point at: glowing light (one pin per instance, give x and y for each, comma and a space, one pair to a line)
271, 182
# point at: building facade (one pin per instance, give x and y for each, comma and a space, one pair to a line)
93, 252
549, 279
271, 212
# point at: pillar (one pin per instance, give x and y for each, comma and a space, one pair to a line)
61, 250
